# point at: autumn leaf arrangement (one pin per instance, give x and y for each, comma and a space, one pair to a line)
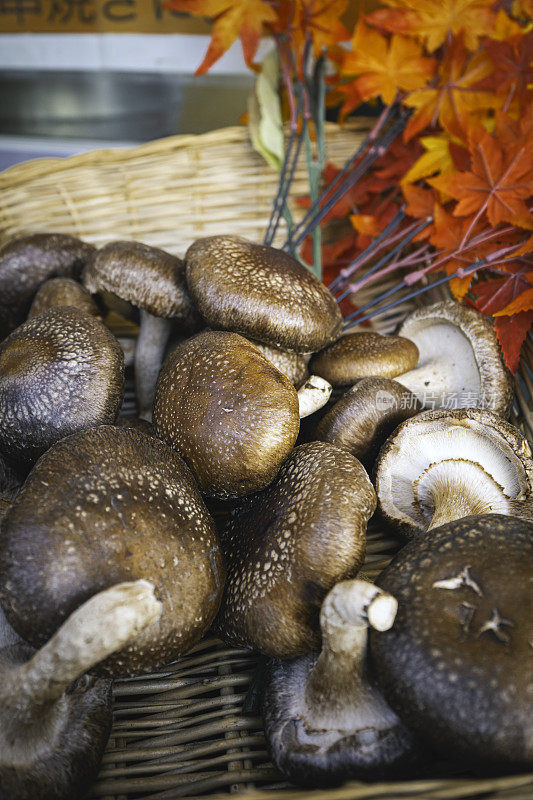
441, 191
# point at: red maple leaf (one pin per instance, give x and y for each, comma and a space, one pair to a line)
511, 333
498, 183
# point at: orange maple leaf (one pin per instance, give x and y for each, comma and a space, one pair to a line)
232, 18
317, 19
454, 95
420, 201
524, 302
498, 183
435, 21
383, 67
512, 75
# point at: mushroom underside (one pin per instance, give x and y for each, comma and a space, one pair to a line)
443, 472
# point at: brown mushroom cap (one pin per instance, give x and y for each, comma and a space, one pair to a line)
293, 365
62, 292
461, 364
457, 665
286, 546
262, 293
366, 415
145, 276
60, 372
228, 411
443, 465
101, 507
364, 354
27, 262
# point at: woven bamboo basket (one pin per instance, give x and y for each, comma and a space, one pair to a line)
181, 732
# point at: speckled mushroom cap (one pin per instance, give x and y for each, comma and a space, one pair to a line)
287, 546
444, 465
27, 262
62, 292
145, 276
60, 372
292, 365
460, 364
228, 411
457, 664
101, 507
262, 293
366, 415
363, 354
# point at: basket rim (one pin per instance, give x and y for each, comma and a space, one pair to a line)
41, 167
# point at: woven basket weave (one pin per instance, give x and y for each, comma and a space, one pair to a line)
181, 732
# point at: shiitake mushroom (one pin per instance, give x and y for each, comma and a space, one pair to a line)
104, 506
26, 262
285, 548
54, 720
457, 665
325, 718
229, 412
154, 281
261, 292
60, 372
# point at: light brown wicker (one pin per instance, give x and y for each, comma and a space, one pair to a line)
181, 732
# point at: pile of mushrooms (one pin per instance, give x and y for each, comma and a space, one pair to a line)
110, 560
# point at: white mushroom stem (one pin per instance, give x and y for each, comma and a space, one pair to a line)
314, 394
153, 336
100, 627
337, 683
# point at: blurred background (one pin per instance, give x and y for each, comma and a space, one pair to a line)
82, 74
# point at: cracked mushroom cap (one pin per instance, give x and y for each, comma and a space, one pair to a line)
145, 276
444, 465
457, 665
261, 292
27, 262
366, 415
286, 546
62, 292
60, 372
460, 364
364, 354
228, 411
101, 507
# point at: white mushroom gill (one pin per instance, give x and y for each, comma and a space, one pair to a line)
447, 366
455, 488
491, 460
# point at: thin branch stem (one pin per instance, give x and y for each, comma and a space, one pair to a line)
376, 244
409, 235
350, 176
